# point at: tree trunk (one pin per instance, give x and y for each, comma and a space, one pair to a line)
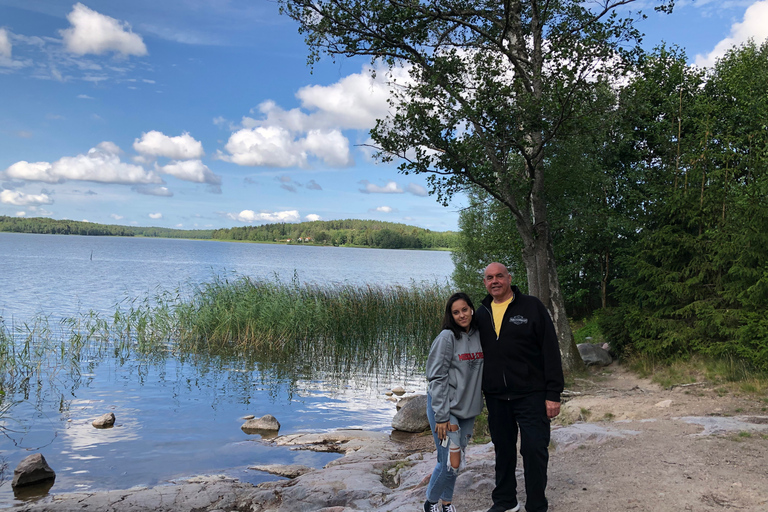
541, 269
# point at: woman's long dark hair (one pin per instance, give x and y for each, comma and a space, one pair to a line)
448, 321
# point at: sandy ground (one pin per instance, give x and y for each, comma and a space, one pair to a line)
691, 448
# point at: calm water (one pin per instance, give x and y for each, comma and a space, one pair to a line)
175, 417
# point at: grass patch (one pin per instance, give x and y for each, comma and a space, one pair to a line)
587, 330
481, 434
728, 374
334, 330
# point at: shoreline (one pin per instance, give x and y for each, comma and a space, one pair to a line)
645, 449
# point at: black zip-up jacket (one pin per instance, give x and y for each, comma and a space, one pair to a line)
525, 358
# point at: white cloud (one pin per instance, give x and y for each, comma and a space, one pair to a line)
312, 217
416, 190
17, 198
266, 216
182, 147
330, 146
754, 25
270, 146
289, 138
5, 44
92, 32
390, 188
101, 164
275, 146
190, 170
383, 209
116, 216
355, 101
156, 216
6, 51
151, 190
21, 214
84, 97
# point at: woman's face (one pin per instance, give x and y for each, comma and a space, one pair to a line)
462, 313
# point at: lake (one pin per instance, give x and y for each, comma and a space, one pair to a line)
179, 417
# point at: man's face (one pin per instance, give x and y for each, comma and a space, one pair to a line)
498, 282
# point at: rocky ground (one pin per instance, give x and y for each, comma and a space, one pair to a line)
621, 443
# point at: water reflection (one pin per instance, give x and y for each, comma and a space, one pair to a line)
179, 413
181, 416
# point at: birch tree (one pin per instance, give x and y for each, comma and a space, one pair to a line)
491, 84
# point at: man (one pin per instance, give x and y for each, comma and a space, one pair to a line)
522, 382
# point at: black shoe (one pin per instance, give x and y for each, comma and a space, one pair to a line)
494, 508
431, 507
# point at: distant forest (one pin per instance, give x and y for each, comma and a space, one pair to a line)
348, 232
351, 232
43, 225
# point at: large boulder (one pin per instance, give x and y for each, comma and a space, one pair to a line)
104, 421
265, 424
400, 403
32, 470
594, 354
412, 417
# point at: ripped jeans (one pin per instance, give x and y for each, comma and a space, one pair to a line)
444, 475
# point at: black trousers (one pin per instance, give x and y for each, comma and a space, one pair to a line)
528, 415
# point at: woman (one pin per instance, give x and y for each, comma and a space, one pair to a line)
454, 397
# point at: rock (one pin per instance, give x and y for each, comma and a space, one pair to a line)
412, 417
664, 404
389, 393
266, 423
32, 470
405, 400
399, 390
594, 355
248, 417
104, 421
286, 470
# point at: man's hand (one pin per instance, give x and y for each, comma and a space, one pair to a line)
553, 408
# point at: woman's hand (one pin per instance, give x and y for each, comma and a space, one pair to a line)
441, 429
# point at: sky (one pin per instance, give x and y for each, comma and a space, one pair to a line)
199, 114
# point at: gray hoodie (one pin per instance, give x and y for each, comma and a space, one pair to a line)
455, 372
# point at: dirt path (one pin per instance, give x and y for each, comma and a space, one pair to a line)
643, 448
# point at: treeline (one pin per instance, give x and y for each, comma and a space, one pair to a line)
663, 232
348, 232
43, 225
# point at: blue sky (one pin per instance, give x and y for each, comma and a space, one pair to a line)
203, 113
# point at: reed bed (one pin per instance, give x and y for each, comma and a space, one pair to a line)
303, 328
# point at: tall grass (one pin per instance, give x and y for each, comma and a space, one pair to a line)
341, 325
337, 328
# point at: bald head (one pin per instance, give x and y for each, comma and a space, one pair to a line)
498, 282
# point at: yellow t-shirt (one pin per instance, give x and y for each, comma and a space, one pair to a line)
498, 313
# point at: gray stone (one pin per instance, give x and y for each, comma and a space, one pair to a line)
594, 354
405, 400
412, 417
266, 423
286, 470
32, 470
104, 421
398, 390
